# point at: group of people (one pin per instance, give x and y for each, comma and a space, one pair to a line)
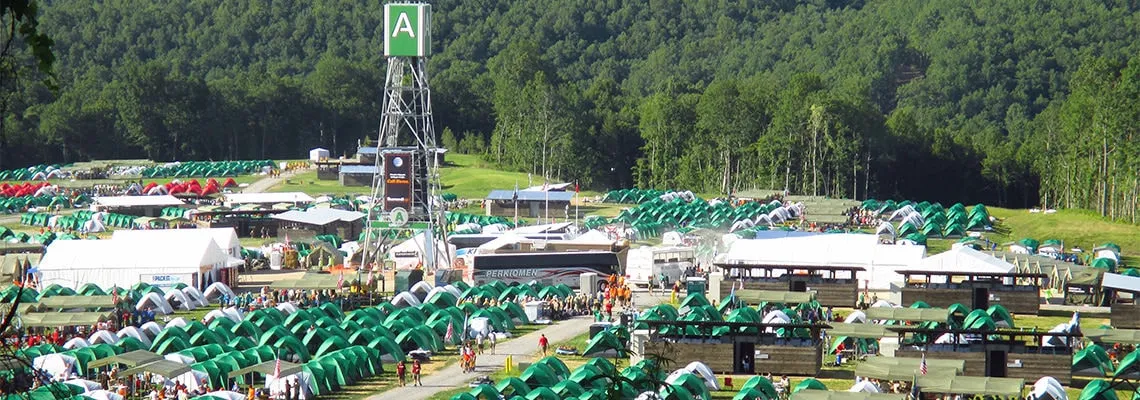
402, 373
468, 357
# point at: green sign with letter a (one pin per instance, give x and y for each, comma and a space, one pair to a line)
407, 30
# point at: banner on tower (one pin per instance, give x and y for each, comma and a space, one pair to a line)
399, 180
407, 30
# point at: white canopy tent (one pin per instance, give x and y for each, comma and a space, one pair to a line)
157, 261
823, 250
410, 253
225, 238
963, 259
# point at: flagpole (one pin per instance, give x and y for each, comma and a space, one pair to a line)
577, 203
516, 199
546, 188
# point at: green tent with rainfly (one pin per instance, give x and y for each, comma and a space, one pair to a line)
604, 341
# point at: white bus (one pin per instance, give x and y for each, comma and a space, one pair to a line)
644, 262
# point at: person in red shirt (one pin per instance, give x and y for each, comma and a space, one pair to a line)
416, 373
401, 372
543, 342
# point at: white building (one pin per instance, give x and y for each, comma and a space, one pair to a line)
194, 260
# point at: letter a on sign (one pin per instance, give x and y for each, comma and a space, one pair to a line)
403, 24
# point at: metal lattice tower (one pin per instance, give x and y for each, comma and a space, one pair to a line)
406, 125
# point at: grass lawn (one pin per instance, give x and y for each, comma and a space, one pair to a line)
468, 176
1075, 227
308, 183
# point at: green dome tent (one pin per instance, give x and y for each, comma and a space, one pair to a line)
809, 383
539, 375
761, 385
1098, 389
512, 386
604, 341
1092, 358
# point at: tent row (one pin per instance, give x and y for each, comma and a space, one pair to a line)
731, 309
206, 168
931, 220
649, 218
32, 173
550, 379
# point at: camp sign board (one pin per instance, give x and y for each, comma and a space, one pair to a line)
407, 30
398, 180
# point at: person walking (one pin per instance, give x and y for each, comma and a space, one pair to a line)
543, 343
401, 373
492, 340
416, 373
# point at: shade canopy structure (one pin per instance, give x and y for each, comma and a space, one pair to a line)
971, 385
811, 394
908, 314
904, 372
73, 302
57, 319
1122, 336
267, 368
164, 368
774, 296
862, 331
318, 281
130, 359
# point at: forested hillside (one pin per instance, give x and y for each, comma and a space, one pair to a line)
1013, 102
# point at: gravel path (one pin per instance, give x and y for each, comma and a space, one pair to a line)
521, 348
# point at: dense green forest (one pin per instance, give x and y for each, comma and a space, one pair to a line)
1011, 102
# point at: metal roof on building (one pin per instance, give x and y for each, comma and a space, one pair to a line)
319, 216
359, 169
530, 195
138, 201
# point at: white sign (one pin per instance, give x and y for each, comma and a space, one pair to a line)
398, 217
166, 280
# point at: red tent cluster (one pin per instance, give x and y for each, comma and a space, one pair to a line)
192, 187
20, 189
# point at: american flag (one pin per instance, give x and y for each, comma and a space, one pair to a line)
369, 283
340, 282
922, 365
450, 335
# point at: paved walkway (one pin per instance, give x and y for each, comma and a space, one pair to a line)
521, 348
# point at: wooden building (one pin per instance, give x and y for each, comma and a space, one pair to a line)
998, 353
835, 286
323, 221
358, 175
531, 203
247, 223
1018, 292
736, 352
1124, 290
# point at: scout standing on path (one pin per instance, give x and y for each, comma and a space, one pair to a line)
543, 342
416, 373
401, 373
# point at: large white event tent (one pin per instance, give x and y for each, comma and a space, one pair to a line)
156, 260
964, 259
225, 238
830, 250
411, 253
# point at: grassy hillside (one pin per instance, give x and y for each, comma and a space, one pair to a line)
1077, 228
